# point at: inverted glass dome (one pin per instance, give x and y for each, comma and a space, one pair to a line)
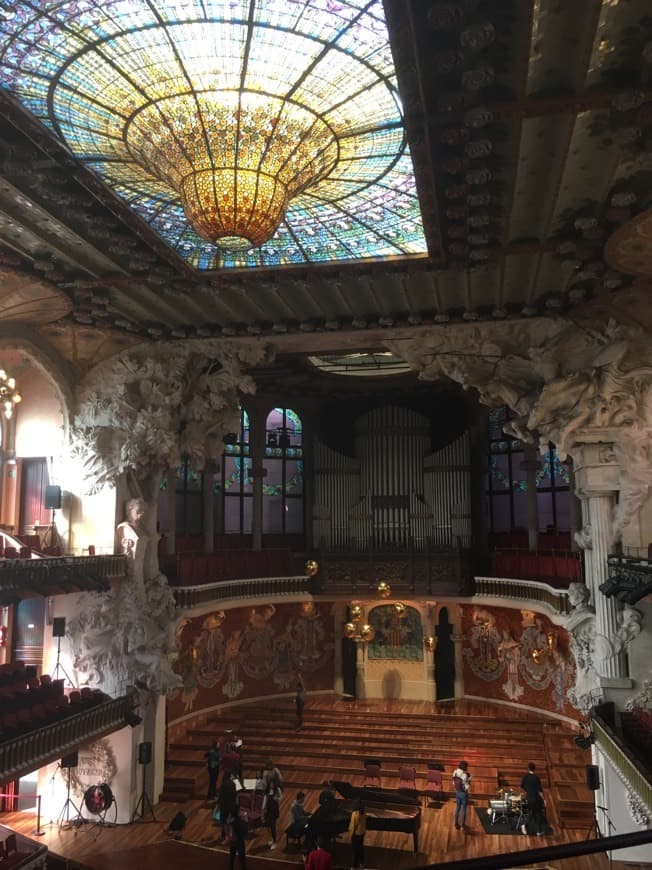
244, 132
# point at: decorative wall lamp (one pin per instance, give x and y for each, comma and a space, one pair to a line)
356, 629
9, 395
383, 589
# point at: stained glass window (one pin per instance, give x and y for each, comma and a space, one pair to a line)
237, 488
283, 484
507, 483
246, 134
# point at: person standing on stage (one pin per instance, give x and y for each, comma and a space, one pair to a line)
462, 784
357, 829
213, 766
237, 828
228, 803
300, 700
531, 785
271, 809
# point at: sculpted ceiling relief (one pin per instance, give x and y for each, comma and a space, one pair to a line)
136, 417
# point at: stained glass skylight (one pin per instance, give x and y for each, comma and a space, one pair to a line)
244, 132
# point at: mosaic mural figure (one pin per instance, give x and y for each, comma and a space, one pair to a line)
482, 654
399, 634
283, 655
257, 648
308, 634
233, 687
211, 649
509, 652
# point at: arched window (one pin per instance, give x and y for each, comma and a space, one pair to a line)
283, 484
507, 482
237, 486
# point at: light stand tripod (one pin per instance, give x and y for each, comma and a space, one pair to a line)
594, 830
64, 821
51, 536
144, 803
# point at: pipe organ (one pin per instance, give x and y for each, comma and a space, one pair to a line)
447, 477
394, 495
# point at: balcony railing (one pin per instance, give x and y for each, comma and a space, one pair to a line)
231, 590
22, 578
631, 773
22, 754
526, 591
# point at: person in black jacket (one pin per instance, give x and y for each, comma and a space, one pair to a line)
228, 804
531, 785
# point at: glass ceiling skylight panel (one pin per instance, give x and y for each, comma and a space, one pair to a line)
188, 57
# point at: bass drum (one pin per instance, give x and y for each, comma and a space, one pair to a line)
98, 798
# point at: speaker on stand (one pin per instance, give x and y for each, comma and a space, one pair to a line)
593, 783
64, 821
59, 631
144, 803
52, 502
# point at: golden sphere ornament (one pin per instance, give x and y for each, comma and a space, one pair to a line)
349, 630
399, 609
367, 633
311, 567
429, 643
384, 589
355, 613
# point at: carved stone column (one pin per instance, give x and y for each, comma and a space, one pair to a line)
597, 476
360, 671
531, 465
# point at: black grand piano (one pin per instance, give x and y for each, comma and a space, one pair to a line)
386, 809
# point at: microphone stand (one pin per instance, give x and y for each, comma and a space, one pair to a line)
610, 828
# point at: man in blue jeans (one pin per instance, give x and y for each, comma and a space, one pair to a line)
461, 784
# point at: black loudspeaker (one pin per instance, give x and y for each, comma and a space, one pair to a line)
71, 760
145, 752
178, 823
59, 626
592, 777
52, 498
132, 718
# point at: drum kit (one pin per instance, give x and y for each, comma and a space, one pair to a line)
509, 805
99, 800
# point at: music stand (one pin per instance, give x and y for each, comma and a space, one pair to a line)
64, 821
144, 803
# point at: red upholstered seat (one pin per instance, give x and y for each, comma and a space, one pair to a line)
407, 778
372, 774
434, 786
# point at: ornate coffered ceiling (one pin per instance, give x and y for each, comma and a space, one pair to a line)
529, 126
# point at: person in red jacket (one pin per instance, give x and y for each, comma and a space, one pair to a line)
320, 858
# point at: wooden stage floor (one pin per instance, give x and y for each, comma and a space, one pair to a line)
147, 844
